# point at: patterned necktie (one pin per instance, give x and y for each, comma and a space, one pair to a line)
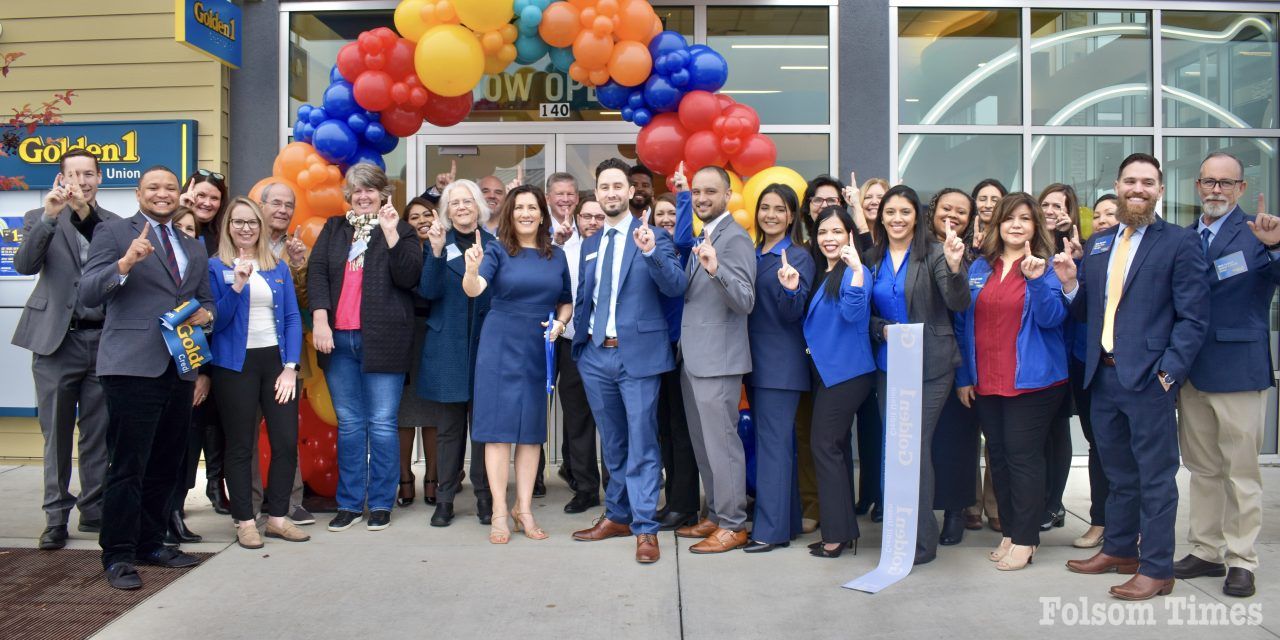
170, 259
1115, 287
604, 299
1205, 235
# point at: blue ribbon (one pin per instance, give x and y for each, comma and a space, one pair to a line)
551, 354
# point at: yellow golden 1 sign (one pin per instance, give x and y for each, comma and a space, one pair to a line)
209, 26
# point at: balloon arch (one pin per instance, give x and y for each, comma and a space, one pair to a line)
387, 83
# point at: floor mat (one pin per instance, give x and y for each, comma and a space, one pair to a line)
62, 594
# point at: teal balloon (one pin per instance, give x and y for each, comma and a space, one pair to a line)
530, 49
562, 59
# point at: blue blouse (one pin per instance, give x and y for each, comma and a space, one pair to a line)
889, 294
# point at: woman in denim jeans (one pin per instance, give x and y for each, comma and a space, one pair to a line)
364, 266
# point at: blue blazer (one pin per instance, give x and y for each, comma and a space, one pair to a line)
673, 306
776, 324
643, 339
453, 326
1041, 354
837, 331
1163, 314
231, 322
1236, 355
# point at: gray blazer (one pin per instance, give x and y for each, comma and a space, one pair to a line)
131, 342
53, 251
933, 292
713, 329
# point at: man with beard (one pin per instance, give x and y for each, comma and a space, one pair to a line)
1144, 292
641, 179
1222, 405
620, 342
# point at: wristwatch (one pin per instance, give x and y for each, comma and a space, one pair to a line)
292, 365
1165, 378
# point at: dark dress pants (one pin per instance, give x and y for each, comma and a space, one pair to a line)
579, 448
955, 456
1098, 489
870, 439
679, 465
451, 446
1057, 455
834, 409
777, 508
203, 433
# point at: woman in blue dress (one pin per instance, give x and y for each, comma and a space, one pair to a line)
528, 278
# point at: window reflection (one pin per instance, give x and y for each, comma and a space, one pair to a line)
778, 60
1182, 158
1219, 69
961, 161
1087, 163
1090, 68
959, 67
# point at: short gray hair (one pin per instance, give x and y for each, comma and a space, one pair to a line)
1224, 154
482, 207
266, 191
365, 174
561, 176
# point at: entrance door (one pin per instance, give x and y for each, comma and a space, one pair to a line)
475, 157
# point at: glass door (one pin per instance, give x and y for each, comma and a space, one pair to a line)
481, 158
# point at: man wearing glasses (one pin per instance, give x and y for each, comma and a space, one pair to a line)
1222, 405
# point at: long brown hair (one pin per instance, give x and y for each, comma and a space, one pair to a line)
507, 230
1041, 240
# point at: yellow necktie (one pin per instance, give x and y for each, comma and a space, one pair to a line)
1115, 287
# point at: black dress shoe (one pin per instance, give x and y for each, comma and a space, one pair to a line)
673, 520
89, 526
217, 495
1239, 583
581, 502
180, 531
924, 558
1193, 567
168, 557
862, 507
122, 575
170, 540
952, 527
484, 508
755, 546
53, 537
1054, 519
443, 515
877, 513
539, 487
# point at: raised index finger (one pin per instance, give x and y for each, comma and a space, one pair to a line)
1262, 203
146, 226
784, 259
479, 240
453, 168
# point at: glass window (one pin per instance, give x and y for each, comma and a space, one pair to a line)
1087, 163
314, 41
1091, 68
778, 59
808, 153
581, 161
479, 161
959, 67
932, 162
1181, 164
1219, 69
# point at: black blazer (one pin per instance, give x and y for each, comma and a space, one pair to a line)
386, 305
933, 292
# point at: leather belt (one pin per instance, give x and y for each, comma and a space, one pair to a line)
609, 343
84, 325
1108, 360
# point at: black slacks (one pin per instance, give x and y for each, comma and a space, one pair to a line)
1098, 488
1016, 429
241, 394
1057, 455
955, 456
146, 430
834, 409
451, 447
579, 448
203, 433
679, 466
870, 438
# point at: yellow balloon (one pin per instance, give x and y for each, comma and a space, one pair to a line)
449, 60
484, 15
747, 220
408, 19
315, 385
761, 180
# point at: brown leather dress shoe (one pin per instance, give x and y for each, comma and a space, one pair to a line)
647, 548
603, 529
994, 523
1103, 563
1141, 587
703, 529
720, 541
972, 521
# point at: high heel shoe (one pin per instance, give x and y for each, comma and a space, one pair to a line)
1054, 520
1001, 551
496, 535
820, 550
1013, 560
429, 491
534, 533
406, 500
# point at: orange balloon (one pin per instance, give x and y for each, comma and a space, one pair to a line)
637, 21
592, 51
583, 4
559, 24
327, 201
292, 159
747, 221
630, 63
656, 29
597, 77
310, 230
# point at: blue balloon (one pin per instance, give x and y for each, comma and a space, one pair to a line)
660, 95
316, 116
300, 131
374, 132
636, 99
530, 18
530, 48
386, 144
340, 100
642, 117
308, 130
304, 111
666, 42
367, 155
334, 75
357, 122
335, 141
612, 95
708, 70
679, 79
562, 58
628, 113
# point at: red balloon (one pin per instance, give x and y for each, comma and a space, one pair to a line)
446, 112
325, 484
372, 90
400, 59
747, 116
350, 61
731, 145
758, 153
698, 110
702, 150
401, 122
725, 101
660, 144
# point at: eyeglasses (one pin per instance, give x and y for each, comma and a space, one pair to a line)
245, 224
825, 202
211, 174
1209, 183
467, 202
279, 204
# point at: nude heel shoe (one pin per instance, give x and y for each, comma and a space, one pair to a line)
1001, 551
1013, 561
536, 533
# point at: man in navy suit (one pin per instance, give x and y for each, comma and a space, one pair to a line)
1222, 406
1143, 290
621, 344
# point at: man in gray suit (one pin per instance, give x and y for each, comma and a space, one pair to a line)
713, 339
62, 335
138, 269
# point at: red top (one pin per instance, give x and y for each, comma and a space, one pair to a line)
347, 315
997, 318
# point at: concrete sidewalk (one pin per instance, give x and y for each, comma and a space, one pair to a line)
413, 580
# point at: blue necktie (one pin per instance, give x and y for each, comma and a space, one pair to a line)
1204, 240
605, 297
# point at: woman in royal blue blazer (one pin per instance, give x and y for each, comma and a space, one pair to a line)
836, 332
256, 345
779, 369
1015, 352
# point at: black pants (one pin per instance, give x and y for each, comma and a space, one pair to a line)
241, 394
1016, 429
955, 456
204, 433
146, 431
579, 448
870, 451
451, 445
1057, 456
678, 463
933, 395
1098, 489
833, 411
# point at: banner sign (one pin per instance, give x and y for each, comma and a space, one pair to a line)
124, 150
186, 343
901, 460
10, 240
209, 26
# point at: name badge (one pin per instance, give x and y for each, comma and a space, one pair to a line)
357, 249
228, 277
978, 282
1230, 265
591, 256
452, 251
1101, 245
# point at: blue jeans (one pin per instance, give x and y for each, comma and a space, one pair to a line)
368, 445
